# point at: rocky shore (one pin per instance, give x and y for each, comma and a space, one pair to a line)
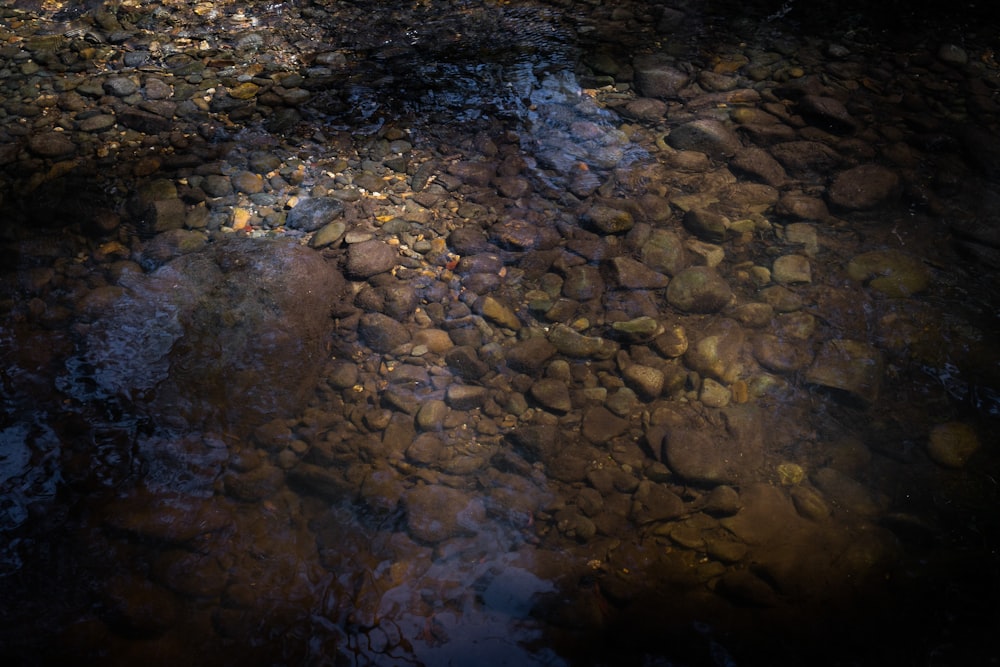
571, 332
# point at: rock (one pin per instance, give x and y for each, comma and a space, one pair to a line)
212, 335
758, 164
466, 397
645, 380
706, 225
382, 333
952, 444
143, 121
583, 282
311, 214
608, 220
707, 136
789, 269
653, 503
850, 366
530, 354
627, 273
464, 360
600, 425
552, 394
370, 258
663, 252
827, 113
714, 395
802, 207
864, 187
780, 355
699, 289
426, 449
846, 492
640, 329
574, 344
51, 145
646, 108
656, 78
891, 272
702, 457
498, 313
952, 54
437, 513
805, 159
717, 354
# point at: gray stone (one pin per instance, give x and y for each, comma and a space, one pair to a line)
717, 353
466, 397
609, 220
311, 214
645, 380
759, 165
789, 269
51, 145
827, 113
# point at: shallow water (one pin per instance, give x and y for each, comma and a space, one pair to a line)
201, 464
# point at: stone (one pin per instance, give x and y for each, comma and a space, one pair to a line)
583, 282
436, 513
464, 360
790, 269
863, 187
645, 380
370, 258
656, 78
828, 113
551, 394
850, 366
530, 354
702, 457
707, 136
714, 395
706, 225
780, 355
498, 313
699, 289
717, 354
382, 333
601, 425
663, 252
426, 449
757, 163
891, 272
466, 397
608, 220
652, 503
574, 344
627, 273
952, 444
311, 214
51, 145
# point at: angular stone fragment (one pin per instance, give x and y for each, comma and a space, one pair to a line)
311, 214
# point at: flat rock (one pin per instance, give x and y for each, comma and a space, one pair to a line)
311, 214
707, 136
851, 366
699, 289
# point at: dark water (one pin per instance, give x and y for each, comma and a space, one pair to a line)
185, 481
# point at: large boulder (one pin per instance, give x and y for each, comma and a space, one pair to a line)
226, 337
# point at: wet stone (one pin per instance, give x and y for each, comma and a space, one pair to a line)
828, 113
627, 273
529, 355
645, 380
863, 187
952, 444
382, 333
891, 272
664, 252
370, 258
851, 366
699, 290
437, 513
466, 397
707, 136
609, 220
656, 78
706, 225
51, 145
552, 394
574, 344
789, 269
311, 214
601, 425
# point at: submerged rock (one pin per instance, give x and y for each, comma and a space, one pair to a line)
232, 334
